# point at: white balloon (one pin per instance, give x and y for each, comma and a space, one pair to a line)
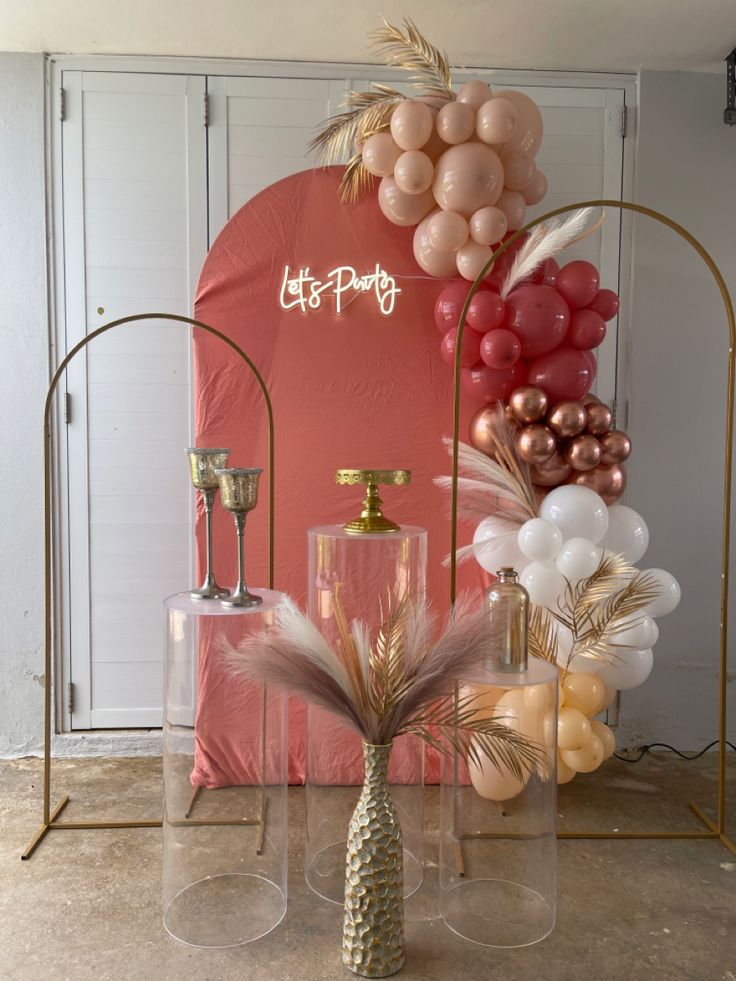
577, 511
578, 559
539, 540
628, 668
580, 663
543, 583
627, 533
639, 631
499, 547
669, 593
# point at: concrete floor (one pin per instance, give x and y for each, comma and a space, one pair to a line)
86, 906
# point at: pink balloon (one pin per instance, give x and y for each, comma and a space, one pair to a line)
486, 384
435, 147
578, 282
413, 172
527, 134
486, 311
488, 225
500, 348
606, 304
587, 330
439, 264
474, 93
411, 124
536, 190
403, 209
495, 121
449, 305
468, 177
456, 122
513, 206
470, 348
518, 169
564, 374
380, 153
448, 231
471, 259
539, 317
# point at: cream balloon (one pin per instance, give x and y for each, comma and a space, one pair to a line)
403, 209
380, 154
471, 259
638, 631
529, 129
496, 547
488, 225
543, 583
513, 206
468, 177
669, 593
495, 121
440, 264
539, 540
474, 93
537, 698
627, 668
455, 122
518, 169
627, 533
413, 172
606, 736
577, 511
535, 191
448, 231
572, 661
573, 729
578, 559
584, 692
587, 758
565, 773
412, 123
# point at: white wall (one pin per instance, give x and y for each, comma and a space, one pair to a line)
686, 167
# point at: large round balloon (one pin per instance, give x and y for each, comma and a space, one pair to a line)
486, 384
627, 668
669, 593
627, 533
496, 547
539, 317
577, 511
564, 373
527, 133
468, 177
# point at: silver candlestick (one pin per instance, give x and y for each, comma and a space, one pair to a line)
239, 492
202, 466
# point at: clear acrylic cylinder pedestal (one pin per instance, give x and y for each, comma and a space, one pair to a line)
359, 573
225, 825
498, 845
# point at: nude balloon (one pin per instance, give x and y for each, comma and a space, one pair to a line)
587, 758
573, 729
439, 264
448, 231
380, 153
468, 177
536, 190
513, 206
413, 172
527, 134
456, 122
565, 773
495, 121
584, 692
471, 259
518, 169
606, 736
411, 124
492, 783
488, 225
400, 208
474, 93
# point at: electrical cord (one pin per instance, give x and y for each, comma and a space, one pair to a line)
643, 750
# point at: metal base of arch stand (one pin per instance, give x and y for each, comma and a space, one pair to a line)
714, 829
51, 816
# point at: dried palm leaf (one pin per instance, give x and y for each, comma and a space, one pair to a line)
409, 50
542, 636
364, 113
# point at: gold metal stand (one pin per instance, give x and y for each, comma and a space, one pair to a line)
51, 815
716, 829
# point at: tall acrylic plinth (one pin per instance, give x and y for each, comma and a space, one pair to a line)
498, 846
359, 574
225, 779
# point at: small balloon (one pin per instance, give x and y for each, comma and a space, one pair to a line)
439, 264
543, 582
486, 311
583, 452
413, 172
380, 153
467, 177
552, 472
608, 482
456, 122
587, 329
495, 121
495, 548
565, 773
482, 428
586, 759
470, 348
535, 443
486, 384
488, 225
518, 169
564, 373
606, 736
605, 304
411, 124
513, 206
500, 348
578, 559
449, 304
528, 404
539, 317
470, 260
578, 283
474, 93
615, 446
584, 692
577, 511
573, 729
527, 134
403, 209
539, 540
669, 593
599, 419
534, 192
492, 783
566, 419
447, 230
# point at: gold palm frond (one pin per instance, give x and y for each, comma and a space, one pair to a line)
614, 614
355, 180
542, 639
410, 51
364, 113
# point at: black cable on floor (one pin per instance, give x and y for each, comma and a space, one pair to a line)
643, 750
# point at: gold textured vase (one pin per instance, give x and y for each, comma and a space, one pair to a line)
373, 928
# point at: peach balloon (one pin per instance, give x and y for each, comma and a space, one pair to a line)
484, 698
583, 452
610, 697
536, 190
549, 729
527, 134
411, 124
518, 169
482, 429
456, 122
435, 146
606, 736
573, 729
492, 783
552, 472
413, 172
615, 446
403, 209
608, 482
586, 758
566, 418
565, 773
448, 231
528, 403
584, 692
474, 93
537, 697
440, 264
600, 418
471, 259
513, 206
535, 443
495, 121
380, 154
468, 177
488, 225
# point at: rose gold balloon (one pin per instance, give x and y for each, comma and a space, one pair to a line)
481, 429
456, 122
403, 209
513, 206
488, 226
615, 446
448, 231
468, 177
413, 172
566, 419
534, 192
440, 264
411, 124
535, 443
608, 482
518, 169
552, 472
380, 153
475, 93
590, 399
528, 403
583, 452
527, 134
600, 418
471, 258
495, 121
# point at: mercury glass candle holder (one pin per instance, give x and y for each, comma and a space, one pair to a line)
239, 491
203, 462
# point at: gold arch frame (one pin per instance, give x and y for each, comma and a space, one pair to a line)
51, 820
715, 829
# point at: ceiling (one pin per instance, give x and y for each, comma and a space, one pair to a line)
579, 35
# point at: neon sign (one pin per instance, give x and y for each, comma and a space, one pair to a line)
300, 290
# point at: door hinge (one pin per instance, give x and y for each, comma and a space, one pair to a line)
67, 408
62, 105
206, 110
70, 697
624, 121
